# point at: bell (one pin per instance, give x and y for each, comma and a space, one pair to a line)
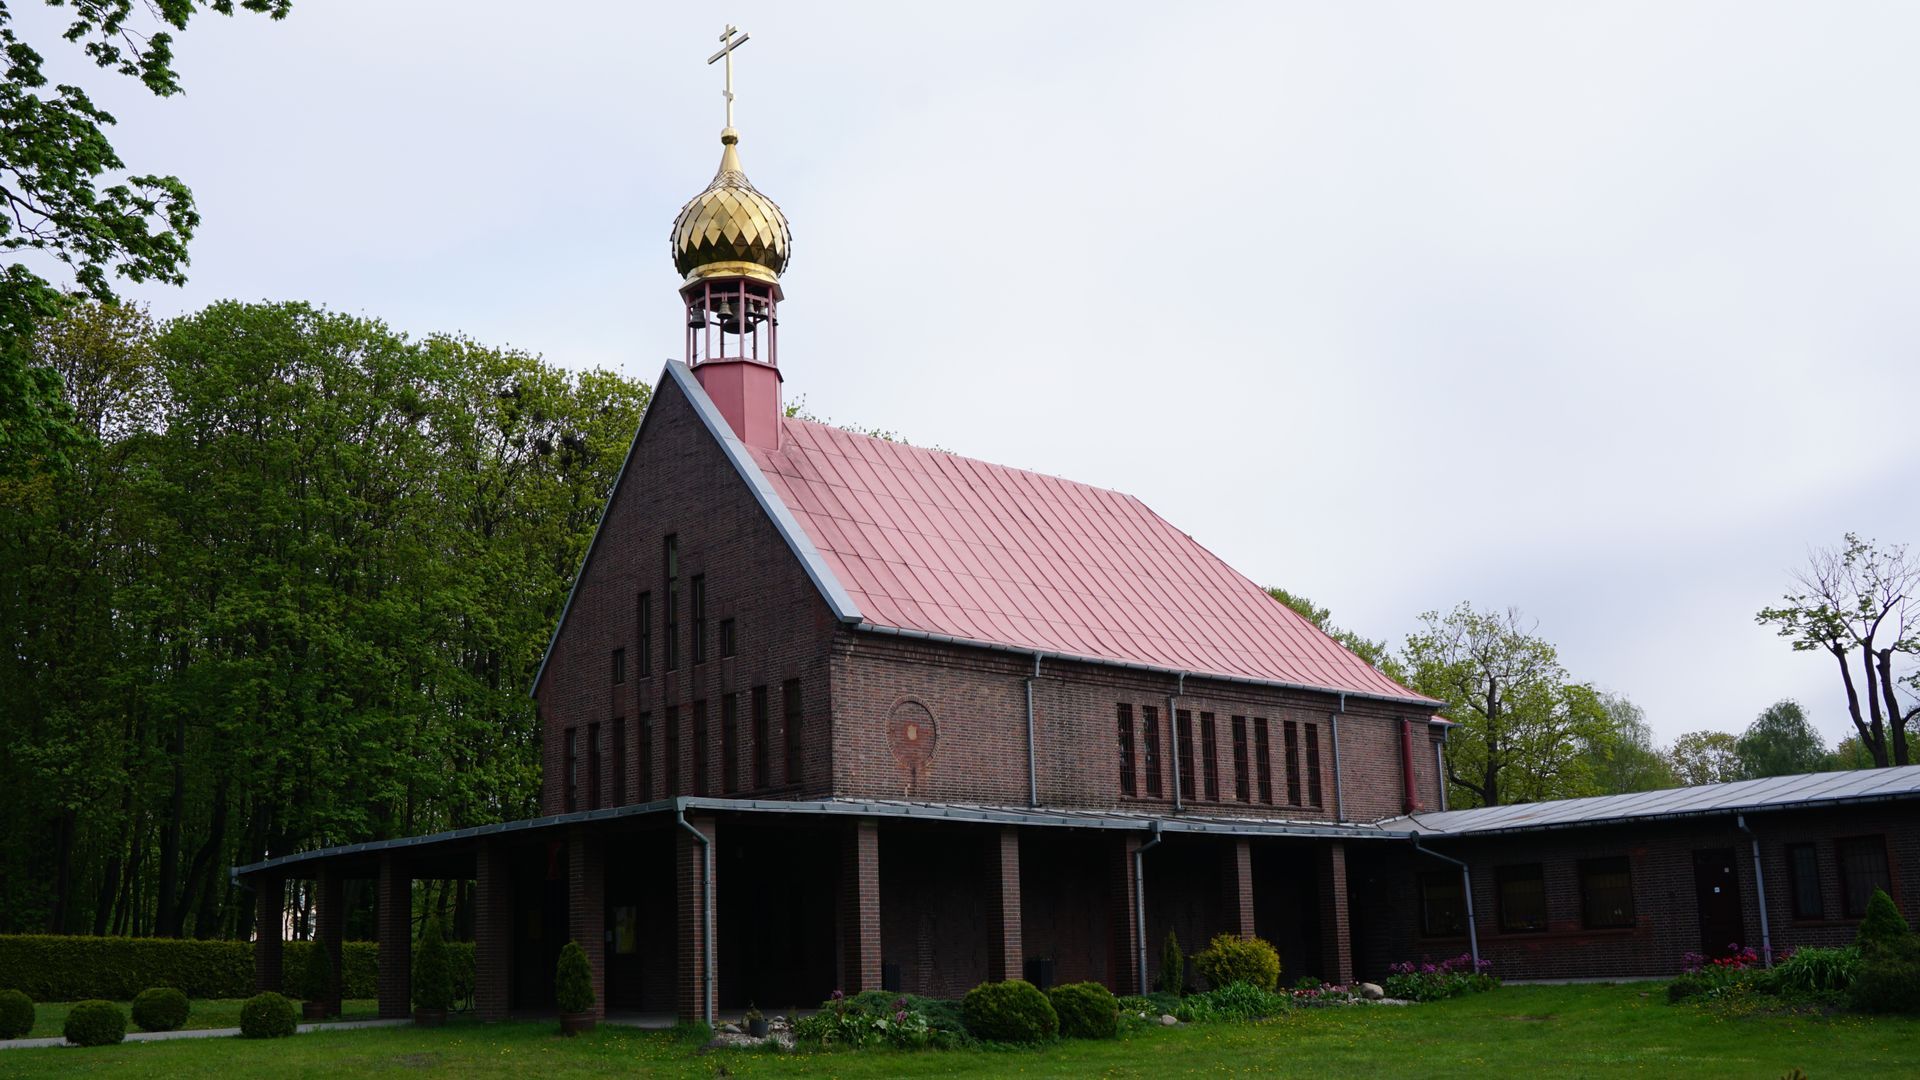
729, 322
696, 317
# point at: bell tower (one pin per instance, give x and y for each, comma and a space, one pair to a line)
730, 245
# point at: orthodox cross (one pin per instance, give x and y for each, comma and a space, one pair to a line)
728, 43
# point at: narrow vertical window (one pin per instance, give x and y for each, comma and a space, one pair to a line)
1606, 893
672, 629
1124, 728
1313, 764
572, 771
729, 742
593, 766
1291, 731
1803, 871
1262, 760
761, 776
1150, 748
1863, 870
1183, 720
619, 666
643, 616
646, 757
673, 750
729, 642
1241, 789
700, 747
790, 696
1210, 751
619, 761
699, 618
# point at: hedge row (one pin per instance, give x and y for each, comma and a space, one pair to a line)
49, 968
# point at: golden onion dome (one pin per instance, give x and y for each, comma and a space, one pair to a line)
730, 229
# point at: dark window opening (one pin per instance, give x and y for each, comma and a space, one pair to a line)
672, 629
1523, 898
1803, 871
673, 751
1262, 760
730, 743
1241, 789
1184, 720
1313, 765
1210, 751
619, 761
593, 766
700, 756
1606, 893
1443, 909
699, 618
1863, 869
1291, 732
571, 772
1150, 748
761, 776
1125, 730
646, 757
643, 614
619, 666
728, 642
790, 693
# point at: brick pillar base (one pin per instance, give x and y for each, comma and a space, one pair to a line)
695, 998
329, 920
269, 926
860, 907
393, 915
1237, 887
492, 934
1127, 977
1336, 933
587, 908
1005, 959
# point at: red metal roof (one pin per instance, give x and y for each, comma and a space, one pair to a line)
937, 543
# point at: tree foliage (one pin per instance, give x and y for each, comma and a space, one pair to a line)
1705, 757
1780, 742
1628, 759
1376, 653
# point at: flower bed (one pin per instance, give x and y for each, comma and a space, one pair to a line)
1428, 981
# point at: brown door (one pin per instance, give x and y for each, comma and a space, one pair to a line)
1717, 887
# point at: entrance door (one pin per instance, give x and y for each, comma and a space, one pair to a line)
1717, 887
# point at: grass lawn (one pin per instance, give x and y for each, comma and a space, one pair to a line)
50, 1018
1548, 1031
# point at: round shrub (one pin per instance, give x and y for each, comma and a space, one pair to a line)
1014, 1011
1229, 959
160, 1008
95, 1023
1883, 929
1087, 1010
16, 1014
432, 974
266, 1016
573, 980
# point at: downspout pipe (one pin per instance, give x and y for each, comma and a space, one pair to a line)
1466, 889
1339, 789
1140, 903
1440, 767
706, 900
1033, 774
1760, 890
1173, 723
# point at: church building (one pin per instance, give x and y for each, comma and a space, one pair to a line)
826, 711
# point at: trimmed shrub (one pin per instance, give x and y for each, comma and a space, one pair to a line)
54, 968
573, 980
1229, 959
1086, 1010
1234, 1001
1883, 929
1014, 1011
160, 1008
316, 976
95, 1023
266, 1016
433, 976
1173, 966
16, 1014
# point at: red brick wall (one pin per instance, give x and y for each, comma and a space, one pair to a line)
679, 482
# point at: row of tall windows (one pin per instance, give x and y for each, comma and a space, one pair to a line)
1252, 761
584, 767
1521, 898
1862, 865
729, 633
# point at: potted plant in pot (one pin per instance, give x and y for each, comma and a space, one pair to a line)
432, 976
573, 990
756, 1022
316, 983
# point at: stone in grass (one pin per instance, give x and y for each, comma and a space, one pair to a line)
1372, 991
1168, 1020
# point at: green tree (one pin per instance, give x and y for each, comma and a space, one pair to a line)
1705, 757
1848, 753
1628, 760
1780, 742
1860, 602
1373, 652
1527, 730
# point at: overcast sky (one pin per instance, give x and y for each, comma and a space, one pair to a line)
1606, 311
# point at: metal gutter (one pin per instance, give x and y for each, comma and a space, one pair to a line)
1466, 890
1339, 787
1759, 889
706, 890
1140, 902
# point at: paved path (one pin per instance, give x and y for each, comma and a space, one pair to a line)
204, 1033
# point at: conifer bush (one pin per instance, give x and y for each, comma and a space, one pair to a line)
1173, 966
1229, 959
573, 980
1887, 979
1087, 1010
1883, 929
433, 975
267, 1016
95, 1023
160, 1008
1014, 1011
16, 1014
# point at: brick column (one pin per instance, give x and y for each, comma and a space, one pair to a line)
587, 907
1127, 978
1005, 959
269, 927
329, 919
492, 933
694, 998
860, 906
1336, 931
1237, 887
393, 916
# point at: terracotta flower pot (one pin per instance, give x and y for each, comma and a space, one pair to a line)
574, 1023
315, 1010
429, 1017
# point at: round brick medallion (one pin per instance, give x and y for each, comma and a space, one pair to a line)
911, 733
